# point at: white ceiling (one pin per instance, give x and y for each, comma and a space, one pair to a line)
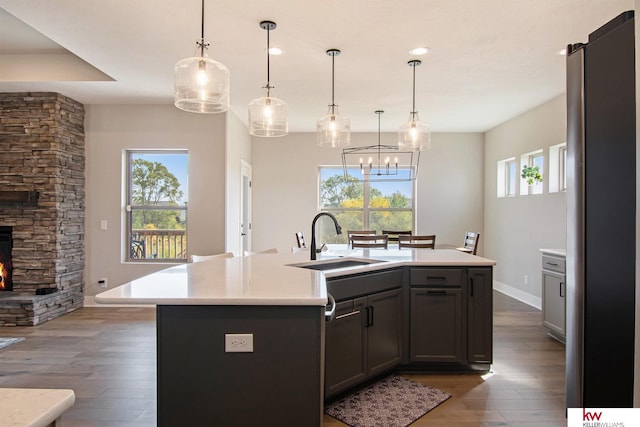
490, 60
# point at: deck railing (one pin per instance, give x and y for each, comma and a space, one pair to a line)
158, 244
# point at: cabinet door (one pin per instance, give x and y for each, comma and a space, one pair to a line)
384, 331
480, 315
553, 302
345, 347
436, 325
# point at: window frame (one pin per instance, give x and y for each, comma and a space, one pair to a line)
529, 159
558, 168
366, 209
505, 189
130, 207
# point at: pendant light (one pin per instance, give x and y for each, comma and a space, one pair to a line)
268, 115
333, 130
381, 163
414, 134
201, 84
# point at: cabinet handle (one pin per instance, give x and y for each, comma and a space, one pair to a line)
552, 263
436, 292
371, 312
471, 283
352, 313
436, 278
561, 296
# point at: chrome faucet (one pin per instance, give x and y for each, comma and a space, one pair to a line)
313, 231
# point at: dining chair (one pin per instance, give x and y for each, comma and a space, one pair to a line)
200, 258
393, 235
358, 232
423, 241
470, 244
369, 241
300, 240
264, 251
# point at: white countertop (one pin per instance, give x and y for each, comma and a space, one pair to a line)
33, 407
268, 279
559, 252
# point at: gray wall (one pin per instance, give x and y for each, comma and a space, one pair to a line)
285, 192
517, 227
110, 130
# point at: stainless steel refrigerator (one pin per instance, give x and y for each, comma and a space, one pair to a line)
601, 217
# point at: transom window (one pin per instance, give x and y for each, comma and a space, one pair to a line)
534, 158
156, 206
507, 177
359, 204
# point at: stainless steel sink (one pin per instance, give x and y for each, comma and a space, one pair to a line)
336, 264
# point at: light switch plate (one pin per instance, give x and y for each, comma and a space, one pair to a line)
238, 343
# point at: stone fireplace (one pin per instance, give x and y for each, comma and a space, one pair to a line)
42, 200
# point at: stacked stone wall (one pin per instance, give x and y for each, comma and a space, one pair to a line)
42, 149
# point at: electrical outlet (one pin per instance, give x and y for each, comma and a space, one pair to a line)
102, 282
238, 343
526, 279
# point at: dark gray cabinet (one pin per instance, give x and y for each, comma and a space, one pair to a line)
554, 290
436, 325
451, 316
480, 315
350, 340
364, 340
346, 347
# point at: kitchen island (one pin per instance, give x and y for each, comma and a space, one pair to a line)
244, 336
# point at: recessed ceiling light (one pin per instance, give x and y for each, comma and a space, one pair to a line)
562, 51
276, 51
419, 51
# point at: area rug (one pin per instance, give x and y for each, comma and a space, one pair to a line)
392, 402
6, 342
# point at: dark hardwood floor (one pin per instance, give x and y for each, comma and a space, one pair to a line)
107, 356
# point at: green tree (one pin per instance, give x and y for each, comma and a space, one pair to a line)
337, 189
154, 185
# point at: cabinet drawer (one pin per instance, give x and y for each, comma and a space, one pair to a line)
436, 277
553, 263
366, 283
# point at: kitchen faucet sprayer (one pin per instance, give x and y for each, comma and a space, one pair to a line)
313, 231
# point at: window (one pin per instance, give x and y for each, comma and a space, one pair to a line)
557, 168
507, 177
534, 158
156, 206
364, 205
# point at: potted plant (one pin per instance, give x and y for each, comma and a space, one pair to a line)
532, 175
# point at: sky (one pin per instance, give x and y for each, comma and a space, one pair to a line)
176, 164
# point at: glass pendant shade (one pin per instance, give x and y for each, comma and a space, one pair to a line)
201, 85
414, 134
333, 130
268, 117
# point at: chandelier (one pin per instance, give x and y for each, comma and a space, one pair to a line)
381, 162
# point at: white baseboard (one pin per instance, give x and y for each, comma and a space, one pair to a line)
90, 301
518, 294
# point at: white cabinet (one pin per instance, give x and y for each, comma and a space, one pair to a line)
554, 290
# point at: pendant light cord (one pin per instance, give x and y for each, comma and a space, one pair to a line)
201, 44
268, 86
413, 111
333, 73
